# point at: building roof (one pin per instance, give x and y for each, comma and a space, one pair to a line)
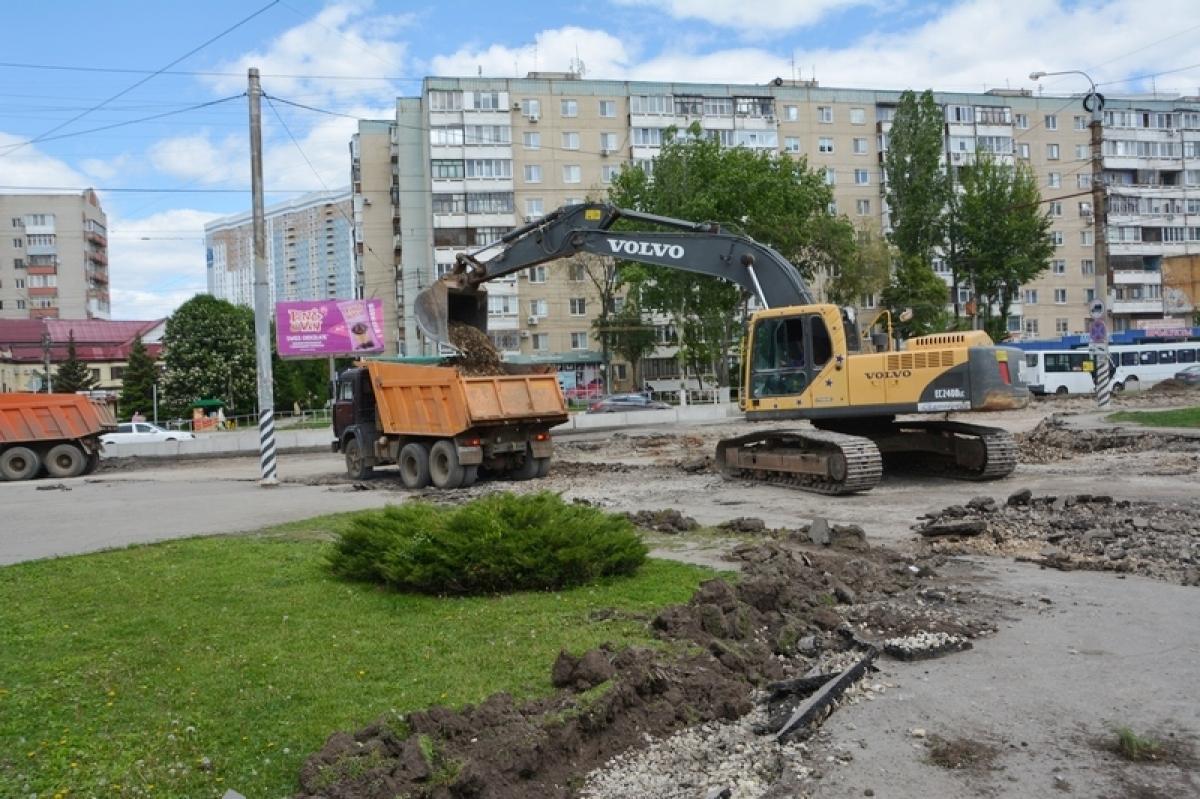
95, 339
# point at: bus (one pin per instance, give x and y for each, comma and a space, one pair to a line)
1133, 366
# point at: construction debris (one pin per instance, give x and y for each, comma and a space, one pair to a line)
477, 354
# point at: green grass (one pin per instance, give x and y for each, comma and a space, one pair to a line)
186, 668
1131, 746
1184, 417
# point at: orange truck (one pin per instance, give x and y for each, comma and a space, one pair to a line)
56, 432
442, 427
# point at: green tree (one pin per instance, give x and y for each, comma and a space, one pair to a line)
1004, 235
774, 199
916, 287
137, 382
602, 275
208, 348
73, 374
299, 382
627, 335
865, 272
917, 188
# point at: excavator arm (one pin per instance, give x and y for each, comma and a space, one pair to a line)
701, 248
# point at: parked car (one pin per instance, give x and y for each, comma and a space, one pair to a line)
626, 402
1190, 375
593, 390
143, 433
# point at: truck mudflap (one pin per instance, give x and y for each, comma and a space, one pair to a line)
541, 447
470, 455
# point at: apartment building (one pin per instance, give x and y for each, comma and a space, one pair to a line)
53, 257
309, 250
471, 158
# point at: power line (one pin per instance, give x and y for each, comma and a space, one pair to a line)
1150, 75
128, 89
128, 122
205, 73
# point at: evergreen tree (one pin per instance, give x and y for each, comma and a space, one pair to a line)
73, 374
917, 188
137, 383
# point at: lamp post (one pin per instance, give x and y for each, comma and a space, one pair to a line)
1101, 313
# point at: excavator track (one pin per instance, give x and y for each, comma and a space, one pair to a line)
811, 460
950, 449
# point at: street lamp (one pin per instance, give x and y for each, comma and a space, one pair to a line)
1101, 313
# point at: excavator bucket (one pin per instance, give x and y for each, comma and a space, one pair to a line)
438, 306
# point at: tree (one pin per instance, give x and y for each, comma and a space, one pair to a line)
1004, 235
137, 382
73, 375
774, 199
917, 188
916, 287
628, 336
865, 272
208, 348
602, 275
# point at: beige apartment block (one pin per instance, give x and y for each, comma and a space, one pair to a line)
53, 257
472, 158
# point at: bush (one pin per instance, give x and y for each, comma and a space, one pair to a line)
503, 542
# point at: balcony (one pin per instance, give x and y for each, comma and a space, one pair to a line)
98, 256
41, 269
1137, 277
98, 276
96, 238
43, 313
43, 291
1154, 306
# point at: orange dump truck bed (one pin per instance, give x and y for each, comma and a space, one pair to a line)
439, 401
37, 418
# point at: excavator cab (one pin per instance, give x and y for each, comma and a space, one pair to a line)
787, 352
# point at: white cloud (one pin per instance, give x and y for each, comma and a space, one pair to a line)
103, 170
29, 166
199, 158
604, 55
156, 262
762, 16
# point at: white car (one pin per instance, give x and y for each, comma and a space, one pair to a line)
143, 433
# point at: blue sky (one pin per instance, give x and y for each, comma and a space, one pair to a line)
61, 60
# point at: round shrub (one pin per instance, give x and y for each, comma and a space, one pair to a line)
502, 542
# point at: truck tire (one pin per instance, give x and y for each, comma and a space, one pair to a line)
358, 465
444, 468
65, 460
528, 468
543, 467
19, 463
93, 462
414, 465
470, 475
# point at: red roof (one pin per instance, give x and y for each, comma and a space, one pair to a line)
95, 339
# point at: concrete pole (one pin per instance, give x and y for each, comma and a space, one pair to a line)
262, 295
1101, 312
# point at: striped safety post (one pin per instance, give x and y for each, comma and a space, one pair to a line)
1103, 378
266, 446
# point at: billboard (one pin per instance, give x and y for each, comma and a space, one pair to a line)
320, 328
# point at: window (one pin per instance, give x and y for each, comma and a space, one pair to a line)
501, 305
608, 172
537, 274
1087, 266
570, 140
1081, 152
538, 308
1051, 122
1022, 121
721, 137
443, 136
1085, 238
757, 139
569, 108
658, 104
531, 108
578, 306
1031, 327
486, 101
489, 168
488, 134
1089, 295
1083, 181
17, 243
20, 282
489, 235
572, 173
1056, 238
20, 305
533, 207
1031, 296
862, 177
540, 342
791, 113
647, 137
1081, 122
830, 176
533, 173
791, 144
863, 207
1060, 296
825, 145
531, 139
825, 113
448, 170
579, 341
860, 146
608, 142
445, 101
1051, 152
1023, 150
858, 116
16, 221
18, 263
960, 114
718, 106
608, 108
1055, 208
1054, 180
1062, 326
1059, 265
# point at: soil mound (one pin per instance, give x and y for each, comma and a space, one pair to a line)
477, 355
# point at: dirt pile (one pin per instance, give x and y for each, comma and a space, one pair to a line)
794, 612
1081, 531
1053, 440
477, 355
668, 520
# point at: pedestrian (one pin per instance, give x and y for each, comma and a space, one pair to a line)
138, 417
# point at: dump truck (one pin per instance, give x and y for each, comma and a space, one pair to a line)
442, 427
59, 433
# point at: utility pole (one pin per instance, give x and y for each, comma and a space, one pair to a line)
262, 295
46, 356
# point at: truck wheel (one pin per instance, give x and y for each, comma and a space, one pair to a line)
93, 462
414, 465
528, 468
65, 460
358, 466
444, 468
19, 463
543, 467
470, 475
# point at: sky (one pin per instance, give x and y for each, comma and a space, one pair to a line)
77, 67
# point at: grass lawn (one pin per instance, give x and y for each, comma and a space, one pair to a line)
1184, 417
185, 668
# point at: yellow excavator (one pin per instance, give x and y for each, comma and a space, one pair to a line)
801, 359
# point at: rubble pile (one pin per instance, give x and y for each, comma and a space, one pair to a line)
786, 641
1053, 440
1083, 531
663, 521
477, 354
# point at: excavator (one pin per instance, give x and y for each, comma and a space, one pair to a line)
801, 359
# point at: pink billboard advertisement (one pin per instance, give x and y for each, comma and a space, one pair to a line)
318, 328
